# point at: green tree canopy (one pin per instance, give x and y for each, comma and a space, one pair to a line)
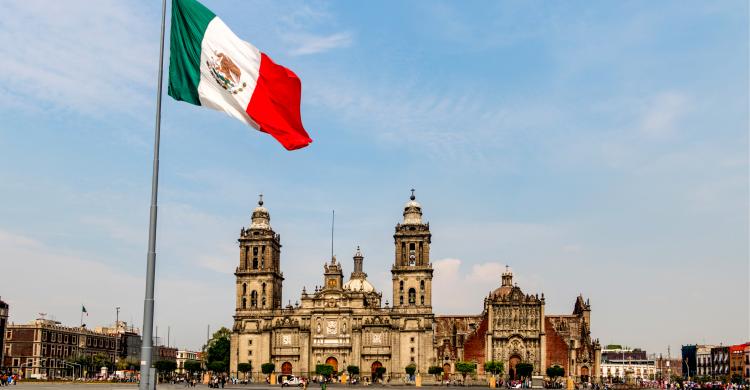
379, 372
192, 366
435, 370
245, 368
217, 350
411, 369
324, 369
101, 360
465, 368
217, 366
267, 368
613, 346
353, 370
165, 366
493, 366
555, 372
524, 369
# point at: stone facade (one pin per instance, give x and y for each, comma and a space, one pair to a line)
346, 323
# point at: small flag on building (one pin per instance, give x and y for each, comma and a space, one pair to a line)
210, 66
83, 310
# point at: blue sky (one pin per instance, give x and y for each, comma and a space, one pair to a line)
596, 148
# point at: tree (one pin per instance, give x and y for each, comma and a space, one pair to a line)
128, 364
267, 368
554, 372
101, 360
165, 367
245, 368
524, 370
411, 369
192, 366
352, 370
216, 366
217, 350
493, 366
737, 379
379, 372
465, 368
435, 370
324, 369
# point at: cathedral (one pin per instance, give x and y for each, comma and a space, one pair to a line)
345, 323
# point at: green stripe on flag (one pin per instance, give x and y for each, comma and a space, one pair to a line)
189, 22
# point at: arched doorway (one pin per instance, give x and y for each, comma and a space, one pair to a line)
286, 368
584, 374
331, 361
512, 362
374, 370
446, 371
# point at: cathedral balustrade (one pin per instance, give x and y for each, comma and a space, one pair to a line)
342, 341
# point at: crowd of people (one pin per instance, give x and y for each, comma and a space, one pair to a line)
8, 379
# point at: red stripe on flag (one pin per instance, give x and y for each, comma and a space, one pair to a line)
275, 104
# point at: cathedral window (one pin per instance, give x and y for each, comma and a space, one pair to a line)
254, 299
255, 263
263, 302
264, 289
401, 285
244, 288
412, 297
421, 285
244, 303
421, 300
401, 300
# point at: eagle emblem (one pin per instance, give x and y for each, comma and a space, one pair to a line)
226, 73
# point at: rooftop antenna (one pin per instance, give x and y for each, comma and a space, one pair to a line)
333, 221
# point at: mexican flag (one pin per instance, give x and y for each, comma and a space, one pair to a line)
210, 66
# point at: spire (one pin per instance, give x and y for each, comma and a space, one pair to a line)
260, 199
507, 277
412, 197
358, 259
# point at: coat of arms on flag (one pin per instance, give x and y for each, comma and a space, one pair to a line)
226, 72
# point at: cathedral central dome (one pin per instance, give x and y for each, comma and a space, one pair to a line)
358, 284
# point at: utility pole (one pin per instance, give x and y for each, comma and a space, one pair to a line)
117, 336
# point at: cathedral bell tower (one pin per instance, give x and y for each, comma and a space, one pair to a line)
259, 277
412, 270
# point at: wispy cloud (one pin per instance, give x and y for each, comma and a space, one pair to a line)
306, 43
663, 113
81, 62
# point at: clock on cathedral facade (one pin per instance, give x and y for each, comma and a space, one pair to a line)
347, 323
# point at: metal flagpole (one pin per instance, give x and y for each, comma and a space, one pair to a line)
148, 301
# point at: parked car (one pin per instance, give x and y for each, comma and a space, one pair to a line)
292, 381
